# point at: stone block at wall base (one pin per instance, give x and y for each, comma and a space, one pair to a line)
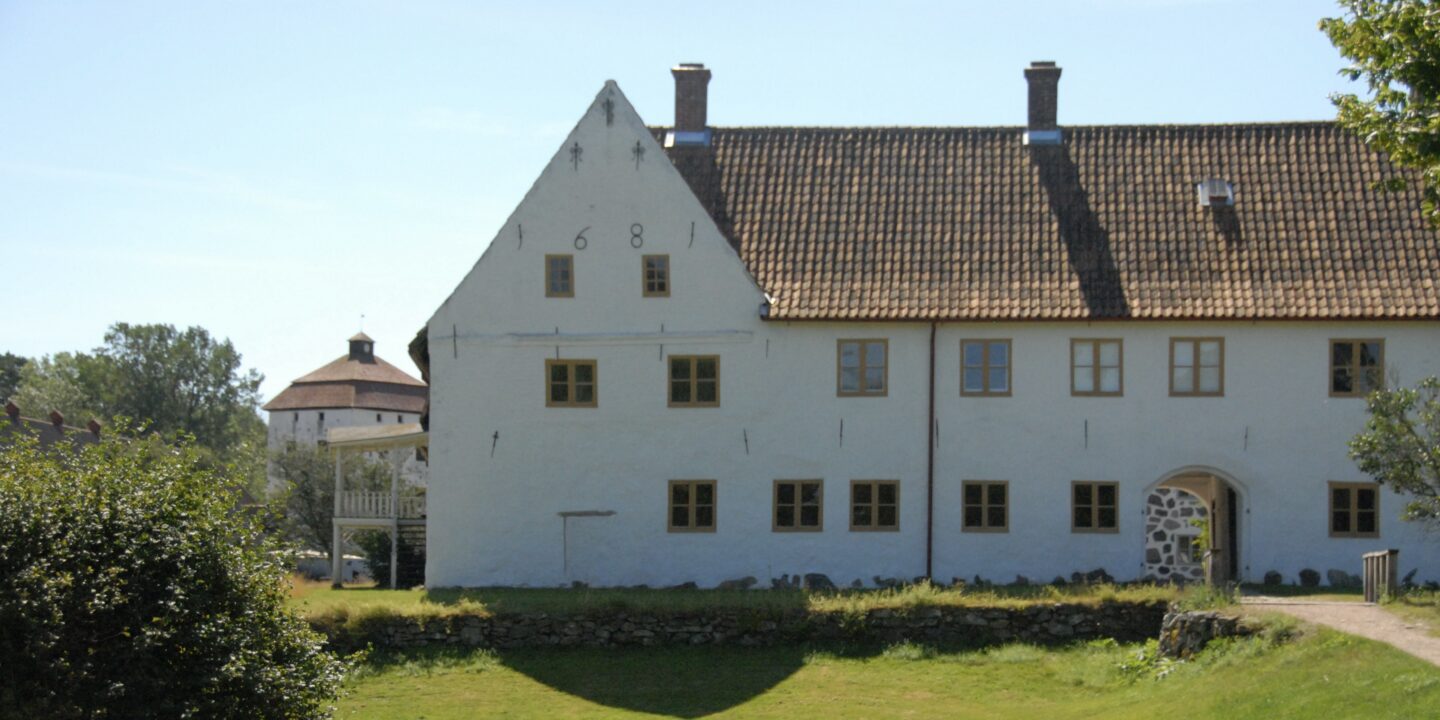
1183, 634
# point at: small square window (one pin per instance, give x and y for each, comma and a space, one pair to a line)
1354, 510
862, 367
1096, 367
984, 367
875, 505
691, 506
377, 418
570, 383
694, 381
1357, 367
1095, 507
799, 506
986, 506
656, 275
560, 276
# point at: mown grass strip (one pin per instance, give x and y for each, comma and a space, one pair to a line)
319, 601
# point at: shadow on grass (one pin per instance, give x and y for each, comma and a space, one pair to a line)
676, 682
681, 682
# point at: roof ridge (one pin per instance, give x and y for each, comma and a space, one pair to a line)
1020, 128
339, 370
46, 422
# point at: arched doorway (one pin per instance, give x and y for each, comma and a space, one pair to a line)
1181, 508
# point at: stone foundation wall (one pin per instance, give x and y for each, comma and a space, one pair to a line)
1040, 624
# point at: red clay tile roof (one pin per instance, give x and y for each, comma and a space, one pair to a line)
372, 396
344, 368
347, 382
970, 224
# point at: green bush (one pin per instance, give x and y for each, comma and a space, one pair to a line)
375, 547
132, 585
1207, 597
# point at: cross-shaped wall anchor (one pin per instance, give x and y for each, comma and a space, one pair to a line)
575, 152
609, 106
639, 153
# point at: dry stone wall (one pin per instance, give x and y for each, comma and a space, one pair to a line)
1183, 634
1039, 624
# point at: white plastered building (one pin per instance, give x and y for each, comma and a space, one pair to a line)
696, 354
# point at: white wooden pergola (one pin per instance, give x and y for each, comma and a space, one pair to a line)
376, 510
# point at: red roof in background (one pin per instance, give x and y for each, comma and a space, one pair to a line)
345, 368
357, 380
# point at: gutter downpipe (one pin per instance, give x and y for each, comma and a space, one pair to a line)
930, 467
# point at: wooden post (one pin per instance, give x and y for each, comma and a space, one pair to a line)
1392, 574
394, 519
1219, 532
1381, 571
337, 551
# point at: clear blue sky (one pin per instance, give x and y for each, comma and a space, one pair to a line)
273, 170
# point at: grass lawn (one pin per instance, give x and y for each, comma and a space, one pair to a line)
318, 599
1320, 675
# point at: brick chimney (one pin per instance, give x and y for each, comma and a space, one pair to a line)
1044, 80
94, 427
13, 411
692, 82
57, 419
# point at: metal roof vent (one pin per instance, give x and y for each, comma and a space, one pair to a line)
687, 138
1215, 192
1042, 137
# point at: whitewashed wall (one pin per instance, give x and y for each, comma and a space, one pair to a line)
1276, 393
503, 465
305, 428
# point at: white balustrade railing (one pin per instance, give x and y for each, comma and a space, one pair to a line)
378, 504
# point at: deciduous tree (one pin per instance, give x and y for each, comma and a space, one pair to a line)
65, 382
1400, 446
308, 475
170, 381
10, 365
1394, 46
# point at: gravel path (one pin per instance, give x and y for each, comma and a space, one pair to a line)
1363, 619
